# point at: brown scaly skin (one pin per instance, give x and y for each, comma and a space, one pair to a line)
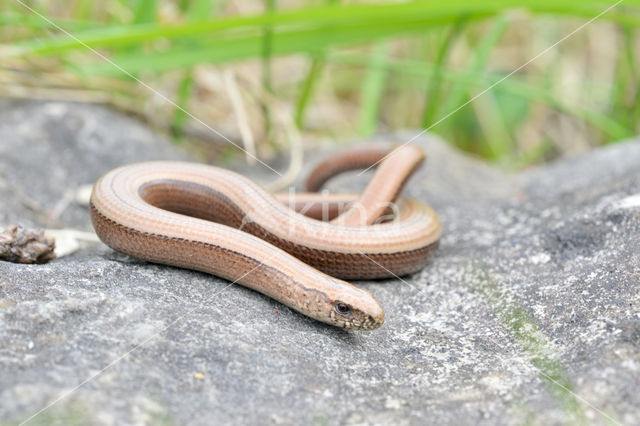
212, 220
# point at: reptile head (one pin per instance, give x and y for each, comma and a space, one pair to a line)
356, 310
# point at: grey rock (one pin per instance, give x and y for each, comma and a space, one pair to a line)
529, 311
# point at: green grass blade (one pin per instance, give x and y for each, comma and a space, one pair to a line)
426, 11
372, 90
179, 114
309, 83
460, 91
297, 40
307, 87
267, 53
435, 87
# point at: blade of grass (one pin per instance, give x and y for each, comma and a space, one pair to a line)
267, 47
198, 10
372, 89
179, 114
309, 83
427, 11
460, 91
488, 117
114, 36
434, 88
307, 87
289, 41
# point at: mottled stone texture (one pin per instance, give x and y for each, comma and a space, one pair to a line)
528, 312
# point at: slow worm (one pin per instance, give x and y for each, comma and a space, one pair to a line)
216, 221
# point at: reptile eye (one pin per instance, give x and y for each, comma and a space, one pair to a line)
342, 308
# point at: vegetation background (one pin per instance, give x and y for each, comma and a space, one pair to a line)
272, 74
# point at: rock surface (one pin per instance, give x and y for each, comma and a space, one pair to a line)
529, 311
